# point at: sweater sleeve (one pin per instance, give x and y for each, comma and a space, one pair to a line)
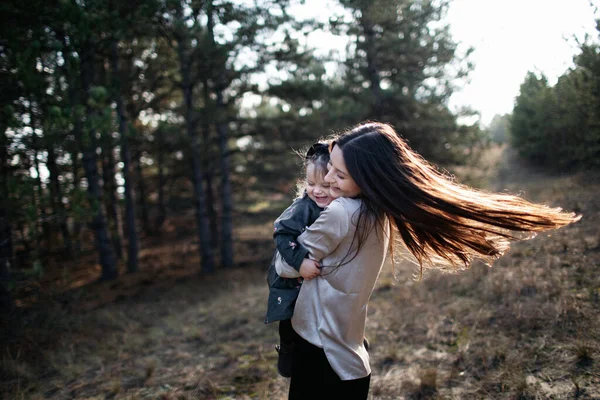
283, 269
327, 232
290, 224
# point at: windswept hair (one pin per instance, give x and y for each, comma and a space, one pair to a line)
443, 224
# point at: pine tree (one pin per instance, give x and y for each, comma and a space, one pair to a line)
398, 69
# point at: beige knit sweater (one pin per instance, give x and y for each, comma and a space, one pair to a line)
331, 310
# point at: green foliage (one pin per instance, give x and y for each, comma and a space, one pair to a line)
64, 66
530, 119
559, 127
397, 70
499, 128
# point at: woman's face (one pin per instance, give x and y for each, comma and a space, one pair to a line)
341, 183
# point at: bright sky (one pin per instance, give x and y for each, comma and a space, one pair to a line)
510, 38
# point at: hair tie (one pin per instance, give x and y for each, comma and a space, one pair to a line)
317, 149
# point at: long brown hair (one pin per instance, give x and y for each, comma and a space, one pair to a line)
444, 225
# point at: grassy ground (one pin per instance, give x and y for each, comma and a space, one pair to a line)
528, 328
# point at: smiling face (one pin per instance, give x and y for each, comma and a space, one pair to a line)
341, 183
316, 187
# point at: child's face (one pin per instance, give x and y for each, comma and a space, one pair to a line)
316, 187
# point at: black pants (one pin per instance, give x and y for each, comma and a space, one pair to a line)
287, 335
313, 378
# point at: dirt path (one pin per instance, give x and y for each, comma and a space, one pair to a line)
528, 328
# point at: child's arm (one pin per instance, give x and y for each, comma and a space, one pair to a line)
326, 233
288, 227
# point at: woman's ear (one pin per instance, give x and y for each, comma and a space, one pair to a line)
331, 145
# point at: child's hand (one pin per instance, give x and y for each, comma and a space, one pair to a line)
309, 269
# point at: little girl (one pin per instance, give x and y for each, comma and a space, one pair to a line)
283, 292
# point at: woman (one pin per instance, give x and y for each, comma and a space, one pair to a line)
384, 189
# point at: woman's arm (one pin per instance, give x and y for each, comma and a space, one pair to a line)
327, 232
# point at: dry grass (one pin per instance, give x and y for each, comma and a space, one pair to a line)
527, 328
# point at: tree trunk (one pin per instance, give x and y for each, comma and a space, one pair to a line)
40, 203
226, 196
201, 218
77, 133
132, 239
6, 301
209, 170
221, 125
76, 183
42, 219
56, 196
6, 250
141, 185
162, 208
87, 143
110, 188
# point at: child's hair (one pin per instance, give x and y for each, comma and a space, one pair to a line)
317, 155
443, 224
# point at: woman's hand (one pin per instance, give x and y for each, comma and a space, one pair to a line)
309, 269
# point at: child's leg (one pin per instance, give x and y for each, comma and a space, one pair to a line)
285, 349
286, 332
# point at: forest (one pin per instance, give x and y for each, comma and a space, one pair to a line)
146, 148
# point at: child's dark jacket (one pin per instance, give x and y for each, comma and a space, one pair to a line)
283, 292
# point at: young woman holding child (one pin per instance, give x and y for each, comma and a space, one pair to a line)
384, 191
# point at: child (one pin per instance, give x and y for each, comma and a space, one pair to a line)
290, 224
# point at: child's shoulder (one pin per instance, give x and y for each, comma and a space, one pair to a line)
302, 206
304, 201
